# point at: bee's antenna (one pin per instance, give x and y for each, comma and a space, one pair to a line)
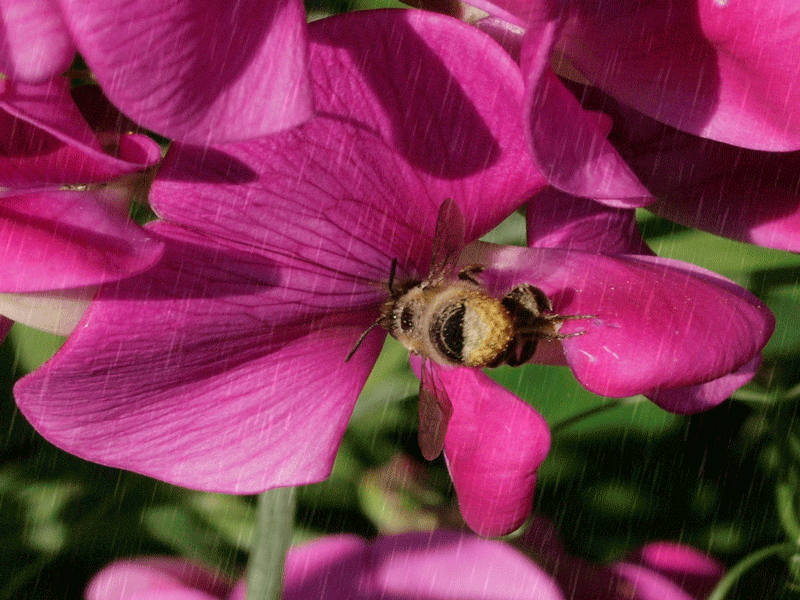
361, 339
377, 322
391, 276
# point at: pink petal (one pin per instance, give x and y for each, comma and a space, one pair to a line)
398, 150
717, 70
156, 578
505, 33
57, 240
644, 584
568, 145
558, 220
454, 565
5, 327
47, 142
740, 194
199, 72
35, 44
494, 444
247, 387
700, 397
332, 567
437, 565
659, 323
695, 571
245, 324
746, 195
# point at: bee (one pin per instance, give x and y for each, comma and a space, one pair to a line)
450, 318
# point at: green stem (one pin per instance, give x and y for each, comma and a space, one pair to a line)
273, 534
733, 576
785, 494
591, 412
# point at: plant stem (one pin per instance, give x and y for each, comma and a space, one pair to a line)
273, 534
611, 405
732, 577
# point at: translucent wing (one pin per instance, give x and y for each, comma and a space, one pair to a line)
435, 410
448, 239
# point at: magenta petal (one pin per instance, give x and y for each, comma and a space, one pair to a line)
718, 70
700, 397
57, 240
5, 327
568, 145
332, 567
199, 71
644, 584
46, 141
247, 387
35, 43
558, 220
658, 323
707, 330
381, 156
156, 578
450, 564
694, 571
740, 194
747, 195
494, 444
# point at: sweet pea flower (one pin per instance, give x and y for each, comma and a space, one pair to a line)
714, 69
57, 244
277, 257
704, 106
189, 70
277, 254
659, 570
719, 70
441, 565
688, 324
46, 142
743, 194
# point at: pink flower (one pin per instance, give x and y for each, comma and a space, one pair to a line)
46, 142
686, 329
740, 193
276, 254
659, 570
438, 565
704, 102
442, 564
56, 244
189, 70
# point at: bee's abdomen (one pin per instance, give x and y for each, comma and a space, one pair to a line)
472, 331
447, 332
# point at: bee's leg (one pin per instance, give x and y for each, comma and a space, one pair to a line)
526, 297
519, 351
524, 349
549, 321
468, 273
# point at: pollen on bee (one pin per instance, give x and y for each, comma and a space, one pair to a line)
487, 330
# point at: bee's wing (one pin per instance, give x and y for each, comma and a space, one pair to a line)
448, 239
435, 410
